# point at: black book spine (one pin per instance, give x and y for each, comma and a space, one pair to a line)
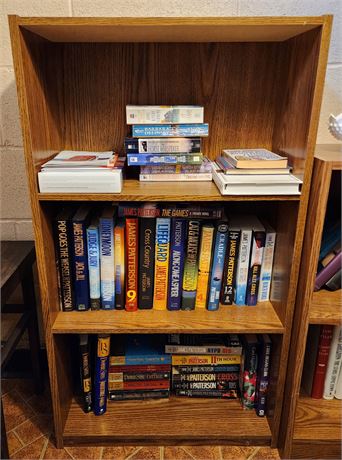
63, 231
227, 394
263, 377
80, 256
222, 385
147, 237
229, 274
85, 373
206, 369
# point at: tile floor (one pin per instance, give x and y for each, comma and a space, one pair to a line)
29, 433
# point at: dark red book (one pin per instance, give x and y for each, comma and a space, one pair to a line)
321, 361
132, 236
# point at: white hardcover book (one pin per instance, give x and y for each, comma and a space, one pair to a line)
190, 177
267, 264
338, 389
163, 114
80, 182
255, 185
334, 364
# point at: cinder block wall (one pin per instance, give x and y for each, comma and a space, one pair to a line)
15, 215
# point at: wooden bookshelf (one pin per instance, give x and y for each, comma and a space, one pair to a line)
312, 428
260, 81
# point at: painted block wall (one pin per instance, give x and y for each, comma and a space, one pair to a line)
15, 214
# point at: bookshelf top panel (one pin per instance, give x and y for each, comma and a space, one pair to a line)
211, 29
326, 307
228, 319
330, 153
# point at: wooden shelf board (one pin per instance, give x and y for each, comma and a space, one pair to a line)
326, 307
330, 153
133, 190
169, 29
228, 319
318, 419
177, 420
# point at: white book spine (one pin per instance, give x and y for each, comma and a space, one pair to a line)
334, 364
242, 267
163, 114
338, 389
266, 267
195, 177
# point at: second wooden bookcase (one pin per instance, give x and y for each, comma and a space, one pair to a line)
260, 81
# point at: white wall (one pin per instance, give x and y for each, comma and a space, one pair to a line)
15, 214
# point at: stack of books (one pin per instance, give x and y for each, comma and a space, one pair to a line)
330, 258
205, 366
166, 143
322, 371
138, 368
82, 172
254, 172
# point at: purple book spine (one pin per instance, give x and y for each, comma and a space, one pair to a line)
324, 275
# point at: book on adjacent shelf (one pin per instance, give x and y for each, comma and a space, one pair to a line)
254, 158
101, 374
328, 271
263, 376
334, 363
249, 369
324, 344
162, 114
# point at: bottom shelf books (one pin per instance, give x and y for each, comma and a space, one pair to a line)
139, 367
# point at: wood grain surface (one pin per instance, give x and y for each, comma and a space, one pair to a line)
177, 420
326, 307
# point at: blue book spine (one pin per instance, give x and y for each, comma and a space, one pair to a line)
93, 242
144, 360
221, 240
183, 130
80, 265
242, 267
176, 264
143, 159
107, 263
101, 374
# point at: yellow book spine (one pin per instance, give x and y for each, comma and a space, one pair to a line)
161, 267
199, 360
206, 247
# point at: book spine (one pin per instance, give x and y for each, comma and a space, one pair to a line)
85, 373
93, 242
161, 268
338, 389
231, 394
132, 236
178, 228
327, 272
188, 212
266, 267
202, 350
221, 240
321, 361
204, 265
230, 266
63, 248
192, 360
334, 364
140, 369
263, 380
186, 177
257, 250
123, 360
181, 130
141, 159
205, 167
131, 376
147, 238
249, 375
205, 369
166, 145
163, 114
242, 267
120, 264
140, 385
210, 377
107, 263
190, 274
80, 266
124, 395
223, 385
101, 374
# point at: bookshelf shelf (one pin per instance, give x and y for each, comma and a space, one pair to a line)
228, 319
326, 307
260, 81
196, 421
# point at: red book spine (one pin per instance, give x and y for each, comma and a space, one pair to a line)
131, 303
142, 368
140, 385
321, 361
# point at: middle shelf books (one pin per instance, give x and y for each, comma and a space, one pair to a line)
173, 257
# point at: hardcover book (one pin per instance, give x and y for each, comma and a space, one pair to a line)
85, 372
267, 264
141, 159
178, 231
334, 364
230, 266
161, 268
263, 376
249, 369
80, 222
310, 358
182, 212
132, 238
242, 223
221, 240
138, 350
107, 258
161, 114
254, 158
204, 265
101, 374
63, 245
93, 245
190, 274
170, 130
255, 261
119, 264
324, 344
147, 238
229, 169
163, 145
